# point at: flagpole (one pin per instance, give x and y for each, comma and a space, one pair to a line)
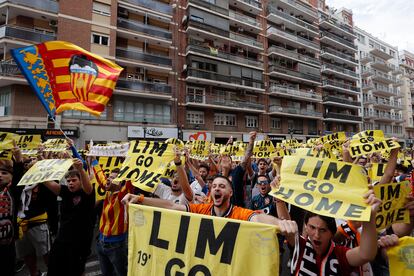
54, 121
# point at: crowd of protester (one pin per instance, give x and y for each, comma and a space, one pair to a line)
33, 225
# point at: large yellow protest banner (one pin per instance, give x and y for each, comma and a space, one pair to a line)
323, 186
165, 242
200, 150
370, 144
401, 257
376, 171
29, 143
392, 209
263, 149
107, 163
145, 163
6, 144
46, 170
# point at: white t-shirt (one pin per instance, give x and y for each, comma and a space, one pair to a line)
164, 192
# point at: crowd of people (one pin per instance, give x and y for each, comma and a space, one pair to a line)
33, 225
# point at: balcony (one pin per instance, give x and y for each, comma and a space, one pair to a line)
334, 40
210, 6
152, 5
252, 6
377, 51
293, 39
280, 17
25, 34
382, 90
341, 101
297, 112
386, 117
294, 75
398, 82
213, 78
369, 115
384, 103
143, 28
301, 7
245, 20
43, 5
333, 24
342, 72
381, 64
384, 78
366, 72
367, 86
342, 117
296, 56
218, 102
246, 40
10, 74
396, 70
369, 100
365, 58
194, 49
397, 117
143, 57
343, 87
144, 87
294, 93
338, 56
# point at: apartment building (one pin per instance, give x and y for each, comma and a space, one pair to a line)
380, 83
406, 65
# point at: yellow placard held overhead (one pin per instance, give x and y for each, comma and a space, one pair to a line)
368, 133
200, 150
6, 145
376, 171
339, 136
29, 143
392, 209
107, 163
235, 151
57, 144
280, 152
215, 148
165, 242
323, 153
370, 144
175, 141
401, 257
146, 162
46, 170
263, 149
323, 186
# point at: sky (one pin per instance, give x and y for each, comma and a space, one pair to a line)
390, 20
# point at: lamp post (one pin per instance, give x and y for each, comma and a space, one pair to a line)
144, 127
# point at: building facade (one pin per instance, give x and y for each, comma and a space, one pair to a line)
407, 67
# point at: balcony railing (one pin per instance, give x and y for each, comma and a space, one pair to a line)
152, 5
290, 72
338, 39
274, 10
341, 85
276, 31
339, 69
365, 58
300, 6
366, 72
143, 56
294, 92
196, 73
220, 54
382, 89
253, 3
220, 101
382, 63
342, 116
383, 77
244, 18
341, 100
143, 86
9, 68
338, 54
294, 55
367, 86
208, 28
210, 6
293, 110
143, 28
16, 32
246, 40
340, 25
44, 5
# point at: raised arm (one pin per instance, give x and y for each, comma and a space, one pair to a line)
249, 149
84, 178
182, 176
155, 202
53, 186
390, 168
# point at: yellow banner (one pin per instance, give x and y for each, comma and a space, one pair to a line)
370, 144
392, 209
376, 171
236, 151
340, 136
215, 148
263, 149
279, 152
29, 143
401, 257
108, 163
146, 162
57, 144
6, 144
200, 150
323, 153
326, 187
174, 141
165, 242
368, 133
46, 170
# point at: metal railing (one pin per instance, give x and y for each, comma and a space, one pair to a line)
339, 69
220, 101
10, 68
143, 28
300, 6
294, 92
276, 31
339, 39
143, 56
340, 100
221, 54
210, 6
342, 116
143, 86
253, 3
191, 72
245, 40
382, 88
341, 85
244, 18
293, 110
287, 71
294, 55
338, 54
152, 5
383, 76
274, 10
44, 5
16, 32
340, 25
365, 57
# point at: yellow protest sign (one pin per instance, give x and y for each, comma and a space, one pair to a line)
46, 170
370, 144
200, 150
166, 242
6, 144
175, 141
323, 153
368, 133
340, 136
401, 257
57, 144
280, 152
107, 163
29, 143
323, 186
291, 143
215, 148
236, 151
392, 209
146, 162
376, 171
263, 149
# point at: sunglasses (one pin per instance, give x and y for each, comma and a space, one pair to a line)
263, 182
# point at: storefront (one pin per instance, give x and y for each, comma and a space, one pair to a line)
152, 133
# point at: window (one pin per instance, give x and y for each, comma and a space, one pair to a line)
361, 38
312, 127
5, 95
223, 119
195, 95
392, 53
195, 117
101, 9
83, 115
276, 123
196, 18
127, 110
252, 121
100, 39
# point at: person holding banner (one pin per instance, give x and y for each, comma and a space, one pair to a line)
72, 244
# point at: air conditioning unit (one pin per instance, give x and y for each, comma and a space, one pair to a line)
53, 23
